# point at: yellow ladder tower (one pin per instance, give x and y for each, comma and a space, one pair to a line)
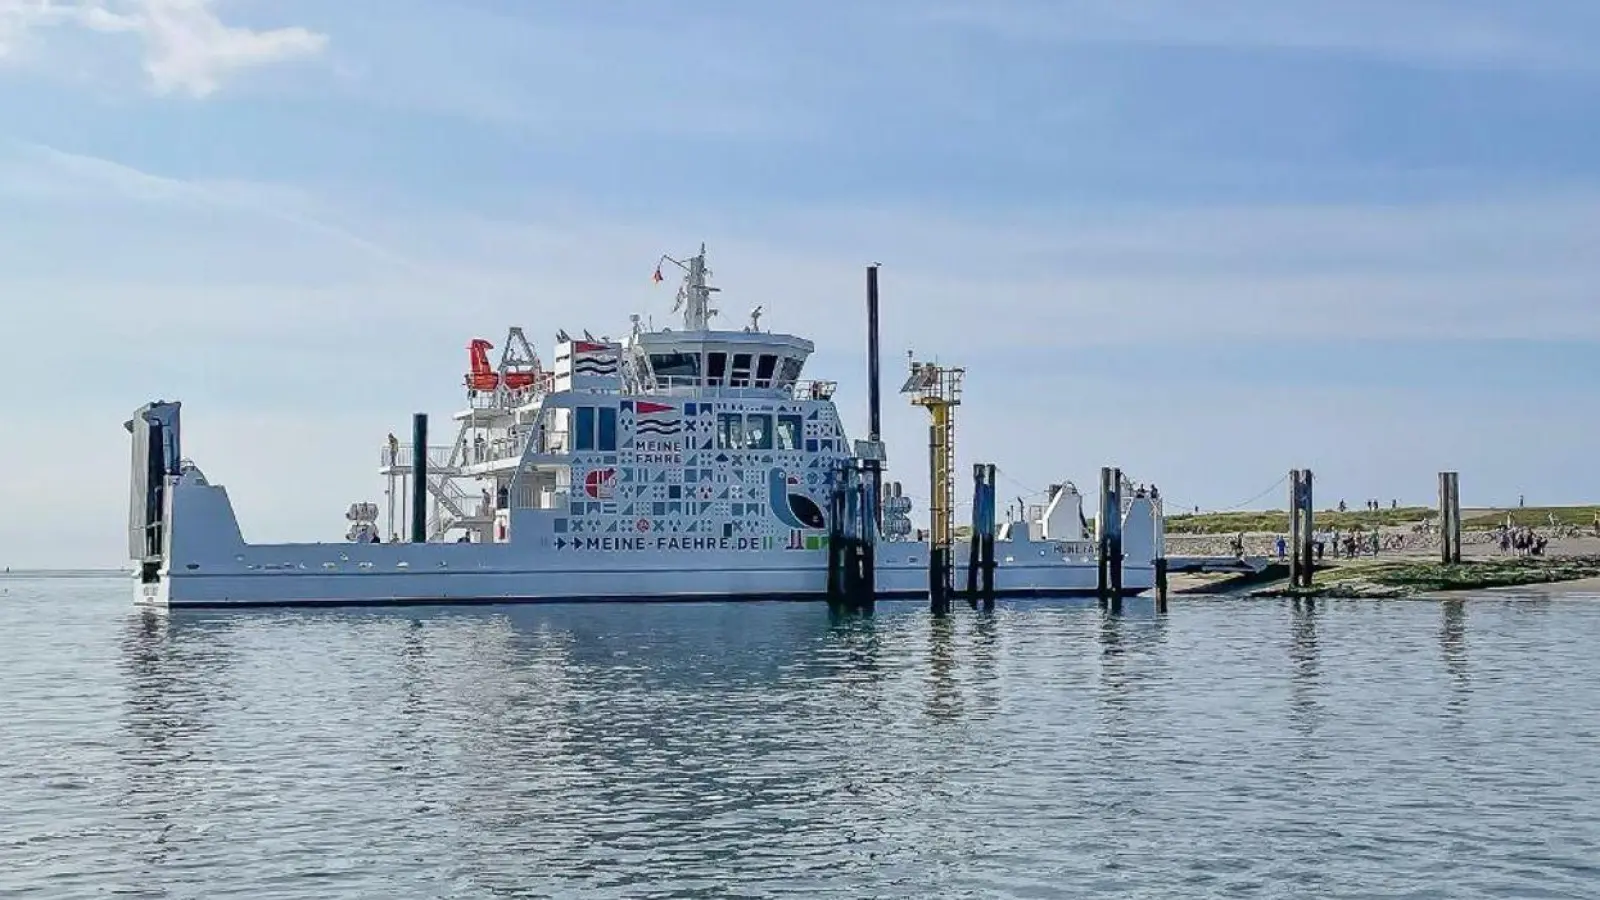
937, 389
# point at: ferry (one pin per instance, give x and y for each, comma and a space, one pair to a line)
693, 463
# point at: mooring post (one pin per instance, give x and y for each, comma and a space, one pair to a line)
1161, 584
1114, 537
1102, 540
990, 525
974, 544
836, 541
874, 392
419, 478
872, 513
1444, 518
1294, 527
1455, 516
1449, 518
1308, 530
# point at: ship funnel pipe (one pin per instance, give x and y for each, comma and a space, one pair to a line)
419, 478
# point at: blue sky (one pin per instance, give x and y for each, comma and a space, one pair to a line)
1208, 241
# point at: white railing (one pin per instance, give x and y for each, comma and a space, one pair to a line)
401, 457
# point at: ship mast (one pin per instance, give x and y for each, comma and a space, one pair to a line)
694, 295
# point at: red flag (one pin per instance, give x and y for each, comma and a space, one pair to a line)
657, 276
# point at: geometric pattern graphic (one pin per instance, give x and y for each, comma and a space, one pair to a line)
674, 481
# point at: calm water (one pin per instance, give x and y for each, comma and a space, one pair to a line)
1401, 749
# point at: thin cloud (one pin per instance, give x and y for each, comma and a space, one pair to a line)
187, 48
277, 204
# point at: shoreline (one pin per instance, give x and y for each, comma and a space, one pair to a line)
1402, 578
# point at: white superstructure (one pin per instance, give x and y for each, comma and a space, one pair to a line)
673, 464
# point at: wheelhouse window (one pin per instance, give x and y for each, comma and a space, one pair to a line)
741, 371
764, 367
716, 368
788, 433
678, 367
758, 431
789, 373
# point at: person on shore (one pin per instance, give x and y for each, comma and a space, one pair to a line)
1283, 547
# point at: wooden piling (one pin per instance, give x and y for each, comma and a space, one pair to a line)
1161, 584
1294, 528
1449, 517
1308, 530
1302, 529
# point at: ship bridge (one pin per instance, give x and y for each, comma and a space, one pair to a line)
698, 360
735, 362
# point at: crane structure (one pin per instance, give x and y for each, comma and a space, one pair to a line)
937, 389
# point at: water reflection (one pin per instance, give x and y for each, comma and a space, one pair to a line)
984, 651
1453, 650
173, 685
1304, 667
944, 693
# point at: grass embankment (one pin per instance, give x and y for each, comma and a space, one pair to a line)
1535, 517
1278, 520
1409, 578
1361, 520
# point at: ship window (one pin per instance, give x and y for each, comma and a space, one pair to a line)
730, 431
583, 428
716, 367
788, 433
758, 431
676, 366
608, 429
764, 368
741, 371
790, 371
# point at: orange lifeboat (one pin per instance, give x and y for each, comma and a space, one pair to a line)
483, 376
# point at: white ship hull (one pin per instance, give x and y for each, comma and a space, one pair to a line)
311, 588
208, 565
